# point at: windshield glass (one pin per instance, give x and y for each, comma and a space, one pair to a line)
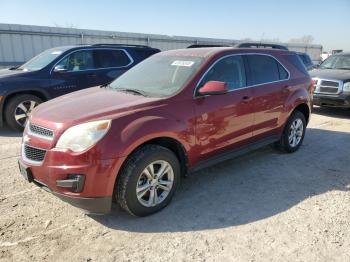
336, 62
43, 59
159, 75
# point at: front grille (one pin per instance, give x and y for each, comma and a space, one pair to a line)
34, 154
329, 83
327, 89
330, 87
41, 131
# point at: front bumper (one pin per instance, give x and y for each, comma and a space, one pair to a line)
332, 101
95, 195
97, 205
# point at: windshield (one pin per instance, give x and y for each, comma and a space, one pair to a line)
159, 75
43, 59
336, 62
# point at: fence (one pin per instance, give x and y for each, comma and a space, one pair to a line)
19, 43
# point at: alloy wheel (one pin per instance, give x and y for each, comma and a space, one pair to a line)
23, 111
155, 183
296, 132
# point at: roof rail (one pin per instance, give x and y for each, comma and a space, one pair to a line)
260, 45
206, 45
128, 45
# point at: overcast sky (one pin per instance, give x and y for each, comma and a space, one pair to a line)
328, 21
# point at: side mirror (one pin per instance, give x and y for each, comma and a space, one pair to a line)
213, 88
60, 69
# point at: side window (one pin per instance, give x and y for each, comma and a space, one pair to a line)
144, 53
77, 61
263, 69
283, 74
302, 57
297, 63
308, 60
229, 70
106, 58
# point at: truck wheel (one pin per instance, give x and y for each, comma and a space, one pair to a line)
294, 132
148, 180
18, 110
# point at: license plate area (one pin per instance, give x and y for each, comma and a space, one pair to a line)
25, 172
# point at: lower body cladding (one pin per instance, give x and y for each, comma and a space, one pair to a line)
341, 100
88, 185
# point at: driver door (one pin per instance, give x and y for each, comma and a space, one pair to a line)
77, 72
224, 121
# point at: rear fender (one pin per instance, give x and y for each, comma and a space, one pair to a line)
296, 98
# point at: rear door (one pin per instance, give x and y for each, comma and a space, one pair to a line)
224, 121
111, 63
267, 78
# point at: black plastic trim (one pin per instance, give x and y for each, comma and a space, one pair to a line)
336, 101
234, 153
98, 205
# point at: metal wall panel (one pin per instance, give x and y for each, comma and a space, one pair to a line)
19, 43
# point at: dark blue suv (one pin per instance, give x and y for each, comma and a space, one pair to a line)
62, 70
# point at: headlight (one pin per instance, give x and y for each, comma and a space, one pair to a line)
80, 137
346, 87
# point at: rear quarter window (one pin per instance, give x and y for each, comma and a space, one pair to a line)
297, 63
145, 53
283, 74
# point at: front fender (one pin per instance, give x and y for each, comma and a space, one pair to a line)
147, 128
128, 136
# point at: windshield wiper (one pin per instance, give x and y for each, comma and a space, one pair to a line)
134, 91
104, 86
342, 68
15, 68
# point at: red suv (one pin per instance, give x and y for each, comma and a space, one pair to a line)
175, 112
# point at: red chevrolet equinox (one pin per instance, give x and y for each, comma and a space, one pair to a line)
178, 111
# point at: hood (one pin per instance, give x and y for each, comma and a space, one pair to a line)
335, 74
87, 105
7, 72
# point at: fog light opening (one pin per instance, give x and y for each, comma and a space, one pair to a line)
75, 183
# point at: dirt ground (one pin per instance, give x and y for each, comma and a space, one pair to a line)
264, 206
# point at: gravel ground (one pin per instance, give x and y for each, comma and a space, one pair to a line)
264, 206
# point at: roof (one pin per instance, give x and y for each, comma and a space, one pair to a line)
102, 46
343, 53
210, 51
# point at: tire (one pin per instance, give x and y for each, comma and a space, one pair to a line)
284, 144
133, 173
135, 176
14, 109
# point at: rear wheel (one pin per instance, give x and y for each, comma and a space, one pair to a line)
148, 180
294, 132
19, 109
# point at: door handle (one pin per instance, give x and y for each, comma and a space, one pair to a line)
246, 99
91, 74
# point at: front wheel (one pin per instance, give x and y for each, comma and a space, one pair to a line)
294, 132
19, 109
148, 180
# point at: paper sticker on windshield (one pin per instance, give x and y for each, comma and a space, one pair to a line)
182, 63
